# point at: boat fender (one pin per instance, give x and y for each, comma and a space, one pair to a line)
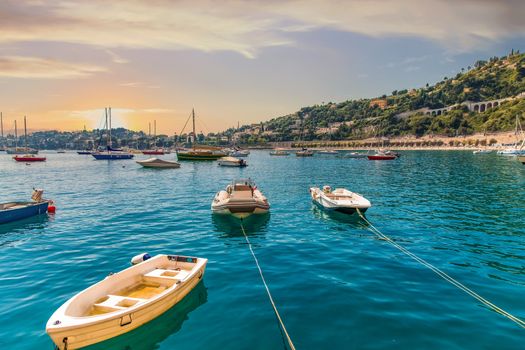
51, 207
137, 259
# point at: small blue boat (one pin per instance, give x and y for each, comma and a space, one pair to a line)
13, 211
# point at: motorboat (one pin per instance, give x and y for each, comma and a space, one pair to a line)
231, 162
61, 151
383, 155
241, 198
355, 155
279, 152
158, 163
239, 153
86, 152
12, 211
125, 300
110, 153
482, 151
29, 158
304, 153
340, 199
327, 151
512, 152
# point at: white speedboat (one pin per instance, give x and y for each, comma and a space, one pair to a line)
279, 152
339, 199
327, 151
482, 151
355, 155
232, 162
241, 199
124, 301
158, 163
512, 152
239, 153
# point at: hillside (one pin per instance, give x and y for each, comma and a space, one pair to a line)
403, 112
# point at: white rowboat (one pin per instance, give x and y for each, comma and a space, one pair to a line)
240, 199
124, 301
339, 199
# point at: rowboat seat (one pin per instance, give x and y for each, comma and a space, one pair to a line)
169, 277
112, 303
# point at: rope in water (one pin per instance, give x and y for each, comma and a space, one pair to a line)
443, 275
268, 290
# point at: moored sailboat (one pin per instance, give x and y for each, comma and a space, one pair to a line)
110, 153
28, 157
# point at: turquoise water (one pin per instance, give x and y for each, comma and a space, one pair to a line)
335, 284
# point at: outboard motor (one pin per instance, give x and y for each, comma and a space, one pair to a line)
137, 259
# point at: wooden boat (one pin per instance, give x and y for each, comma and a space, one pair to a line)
26, 158
110, 153
154, 152
279, 152
124, 301
199, 152
521, 159
158, 163
340, 199
231, 162
12, 211
241, 199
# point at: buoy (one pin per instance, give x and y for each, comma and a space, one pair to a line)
137, 259
51, 207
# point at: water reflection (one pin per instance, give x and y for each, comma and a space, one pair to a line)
151, 334
13, 232
230, 226
353, 220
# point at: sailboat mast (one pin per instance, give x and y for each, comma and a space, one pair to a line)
194, 134
155, 133
2, 124
25, 132
110, 143
16, 137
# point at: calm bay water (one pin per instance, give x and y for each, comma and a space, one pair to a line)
335, 284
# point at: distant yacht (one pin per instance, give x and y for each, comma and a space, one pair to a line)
110, 153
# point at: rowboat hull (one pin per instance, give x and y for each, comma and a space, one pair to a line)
341, 200
100, 328
29, 209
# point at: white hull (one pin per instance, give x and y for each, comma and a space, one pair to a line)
340, 200
231, 162
79, 327
240, 200
158, 163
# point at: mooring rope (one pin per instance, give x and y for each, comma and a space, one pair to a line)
443, 275
268, 290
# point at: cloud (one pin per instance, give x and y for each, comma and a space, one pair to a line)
44, 68
246, 27
116, 58
138, 84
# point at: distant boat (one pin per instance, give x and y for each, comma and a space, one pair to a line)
154, 151
158, 163
126, 300
199, 152
240, 199
482, 151
383, 155
279, 152
521, 159
110, 153
85, 152
231, 162
20, 150
340, 199
519, 147
61, 151
304, 153
12, 211
327, 151
158, 152
29, 157
355, 155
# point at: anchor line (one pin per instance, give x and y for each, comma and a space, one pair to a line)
281, 323
443, 275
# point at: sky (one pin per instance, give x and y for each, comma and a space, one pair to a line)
62, 62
